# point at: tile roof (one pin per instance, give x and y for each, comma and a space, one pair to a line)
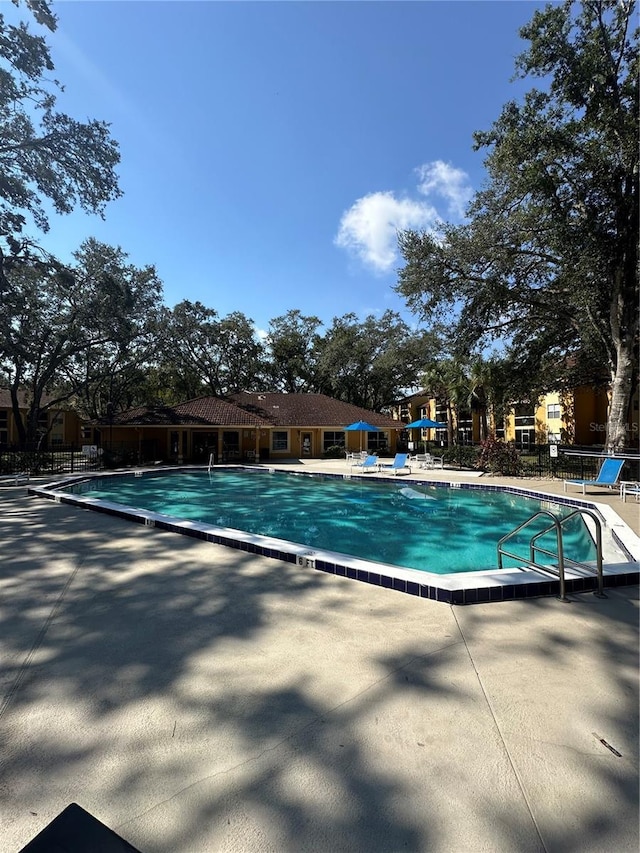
249, 409
308, 410
211, 411
215, 410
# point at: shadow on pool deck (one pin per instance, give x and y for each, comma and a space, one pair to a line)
195, 698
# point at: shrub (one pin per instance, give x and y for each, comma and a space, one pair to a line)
464, 455
498, 457
336, 451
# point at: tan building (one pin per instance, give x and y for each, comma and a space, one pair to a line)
245, 426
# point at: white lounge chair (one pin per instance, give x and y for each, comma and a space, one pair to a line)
629, 488
426, 460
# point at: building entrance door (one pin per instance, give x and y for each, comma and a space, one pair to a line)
306, 443
204, 444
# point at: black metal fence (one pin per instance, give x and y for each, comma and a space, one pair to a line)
564, 462
540, 460
63, 459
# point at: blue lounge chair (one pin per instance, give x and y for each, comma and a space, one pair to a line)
398, 464
371, 463
608, 476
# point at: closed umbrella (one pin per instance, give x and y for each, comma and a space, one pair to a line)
361, 426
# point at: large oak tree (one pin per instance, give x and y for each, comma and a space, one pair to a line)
547, 261
77, 332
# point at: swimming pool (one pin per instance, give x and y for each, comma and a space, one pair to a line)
434, 529
453, 587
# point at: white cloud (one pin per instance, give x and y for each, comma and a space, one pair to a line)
368, 229
261, 334
444, 180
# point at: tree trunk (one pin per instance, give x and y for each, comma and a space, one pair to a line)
621, 393
17, 416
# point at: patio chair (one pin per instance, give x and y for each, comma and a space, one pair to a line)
432, 461
369, 463
398, 464
630, 488
608, 476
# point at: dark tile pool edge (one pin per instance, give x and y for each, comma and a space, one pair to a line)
481, 594
477, 589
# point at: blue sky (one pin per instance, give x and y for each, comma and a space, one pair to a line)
270, 150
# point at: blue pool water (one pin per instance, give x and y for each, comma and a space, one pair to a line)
429, 528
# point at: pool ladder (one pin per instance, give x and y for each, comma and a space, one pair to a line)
535, 548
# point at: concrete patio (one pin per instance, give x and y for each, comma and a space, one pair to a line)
197, 698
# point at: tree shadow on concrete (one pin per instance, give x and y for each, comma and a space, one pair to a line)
589, 649
109, 633
145, 677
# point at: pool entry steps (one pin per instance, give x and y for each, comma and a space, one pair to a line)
525, 581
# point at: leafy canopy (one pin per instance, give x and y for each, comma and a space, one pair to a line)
45, 155
547, 261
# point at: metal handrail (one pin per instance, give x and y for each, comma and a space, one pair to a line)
598, 528
557, 524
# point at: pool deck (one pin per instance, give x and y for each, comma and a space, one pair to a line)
198, 698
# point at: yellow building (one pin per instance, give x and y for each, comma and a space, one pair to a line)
574, 417
56, 426
465, 424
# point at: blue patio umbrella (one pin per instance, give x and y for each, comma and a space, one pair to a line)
361, 426
426, 423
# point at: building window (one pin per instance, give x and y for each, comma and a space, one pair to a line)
524, 416
442, 412
377, 441
331, 438
465, 427
230, 445
553, 411
279, 441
